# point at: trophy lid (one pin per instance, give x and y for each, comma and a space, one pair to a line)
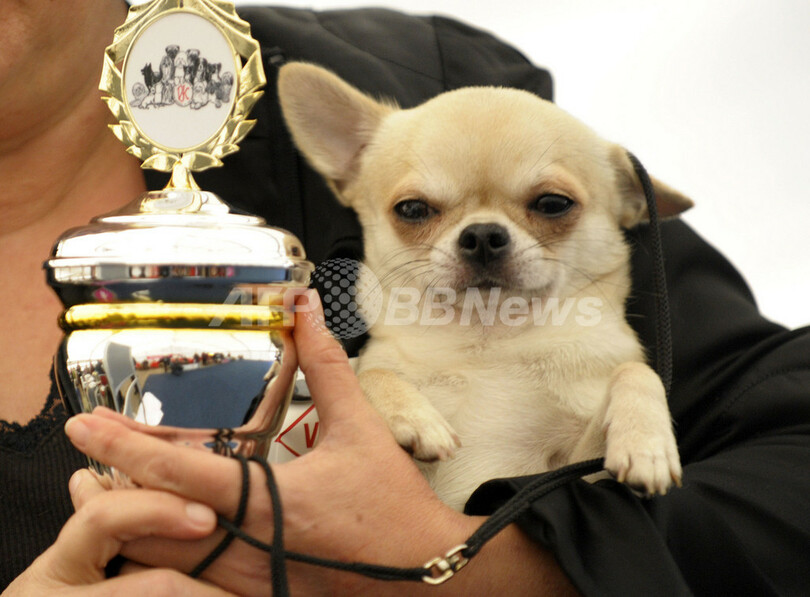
173, 245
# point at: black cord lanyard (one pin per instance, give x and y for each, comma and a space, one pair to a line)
442, 568
434, 572
663, 329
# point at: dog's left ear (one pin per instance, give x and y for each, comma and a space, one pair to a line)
330, 121
669, 202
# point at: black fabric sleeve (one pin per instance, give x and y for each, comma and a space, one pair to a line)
740, 392
741, 401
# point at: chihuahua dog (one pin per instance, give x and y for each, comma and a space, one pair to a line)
502, 216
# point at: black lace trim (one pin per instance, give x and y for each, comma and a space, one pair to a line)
27, 438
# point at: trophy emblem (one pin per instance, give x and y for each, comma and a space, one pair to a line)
177, 312
181, 78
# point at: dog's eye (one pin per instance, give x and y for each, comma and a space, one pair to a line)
414, 210
552, 206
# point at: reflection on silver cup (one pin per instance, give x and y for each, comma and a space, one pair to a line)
223, 390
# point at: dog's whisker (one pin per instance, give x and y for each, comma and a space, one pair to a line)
398, 253
536, 164
405, 275
400, 277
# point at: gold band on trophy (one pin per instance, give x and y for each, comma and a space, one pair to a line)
181, 77
174, 315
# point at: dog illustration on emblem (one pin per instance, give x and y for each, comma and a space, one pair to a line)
183, 78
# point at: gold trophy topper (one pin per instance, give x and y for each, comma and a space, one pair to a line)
182, 76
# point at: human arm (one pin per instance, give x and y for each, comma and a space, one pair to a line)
356, 497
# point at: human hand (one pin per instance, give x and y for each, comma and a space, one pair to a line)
103, 522
357, 496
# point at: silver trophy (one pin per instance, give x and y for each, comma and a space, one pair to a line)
178, 312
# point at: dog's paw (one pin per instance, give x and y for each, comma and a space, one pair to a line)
644, 460
426, 436
415, 423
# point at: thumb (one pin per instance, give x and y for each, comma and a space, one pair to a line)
331, 381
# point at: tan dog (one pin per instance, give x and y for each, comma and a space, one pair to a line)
501, 216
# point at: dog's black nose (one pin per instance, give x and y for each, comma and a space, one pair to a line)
483, 243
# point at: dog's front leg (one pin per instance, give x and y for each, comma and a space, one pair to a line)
635, 427
416, 424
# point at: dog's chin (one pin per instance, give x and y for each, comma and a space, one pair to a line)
486, 283
505, 279
505, 284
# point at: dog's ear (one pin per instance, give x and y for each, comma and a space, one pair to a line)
633, 209
330, 121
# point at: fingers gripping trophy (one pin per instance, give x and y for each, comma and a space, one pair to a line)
178, 311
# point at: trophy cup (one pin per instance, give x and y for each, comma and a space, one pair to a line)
175, 311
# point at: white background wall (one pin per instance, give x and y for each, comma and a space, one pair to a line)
712, 95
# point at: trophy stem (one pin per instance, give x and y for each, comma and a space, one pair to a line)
181, 179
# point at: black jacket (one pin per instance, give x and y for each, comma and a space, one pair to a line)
741, 391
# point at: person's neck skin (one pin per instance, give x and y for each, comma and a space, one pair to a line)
59, 166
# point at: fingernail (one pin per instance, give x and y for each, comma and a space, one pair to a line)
75, 481
315, 309
307, 301
77, 431
313, 297
200, 515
